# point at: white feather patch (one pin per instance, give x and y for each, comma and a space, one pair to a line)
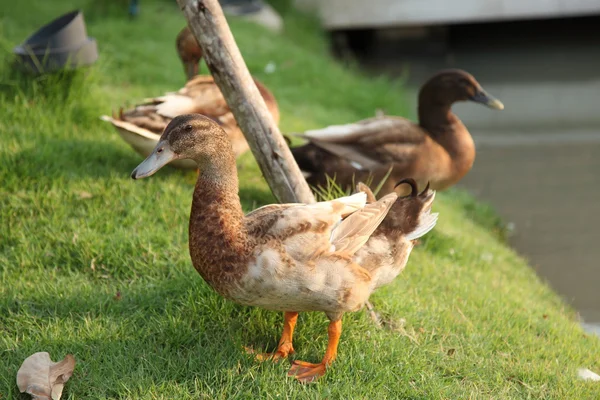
356, 165
131, 128
351, 132
351, 203
426, 224
173, 105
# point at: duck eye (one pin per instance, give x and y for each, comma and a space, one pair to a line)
188, 128
159, 150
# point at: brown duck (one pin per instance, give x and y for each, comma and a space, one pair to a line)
328, 256
438, 150
142, 125
189, 52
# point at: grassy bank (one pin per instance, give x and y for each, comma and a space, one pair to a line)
95, 264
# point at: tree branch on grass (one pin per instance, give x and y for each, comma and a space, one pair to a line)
223, 58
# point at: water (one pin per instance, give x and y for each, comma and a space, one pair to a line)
538, 161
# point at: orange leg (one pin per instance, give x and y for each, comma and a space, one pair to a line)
285, 347
308, 372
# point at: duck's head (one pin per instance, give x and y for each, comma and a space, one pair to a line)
191, 136
189, 52
452, 85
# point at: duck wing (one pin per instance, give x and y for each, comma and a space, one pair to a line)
339, 226
370, 143
201, 95
353, 232
279, 221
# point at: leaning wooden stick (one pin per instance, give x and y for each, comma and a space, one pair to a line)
223, 58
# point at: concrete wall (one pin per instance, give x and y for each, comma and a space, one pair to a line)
342, 14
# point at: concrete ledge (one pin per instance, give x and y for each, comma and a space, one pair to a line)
343, 14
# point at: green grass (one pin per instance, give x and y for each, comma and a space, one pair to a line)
467, 319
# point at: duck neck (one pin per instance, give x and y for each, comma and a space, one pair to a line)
217, 238
446, 128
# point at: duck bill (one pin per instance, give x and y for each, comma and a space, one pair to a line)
160, 156
486, 99
191, 69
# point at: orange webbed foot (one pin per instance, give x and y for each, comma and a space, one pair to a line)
285, 348
282, 352
306, 372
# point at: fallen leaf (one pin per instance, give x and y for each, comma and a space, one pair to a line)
42, 378
451, 352
85, 195
588, 375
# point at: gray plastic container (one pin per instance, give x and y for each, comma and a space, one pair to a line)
62, 43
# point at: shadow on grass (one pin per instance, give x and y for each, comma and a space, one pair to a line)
71, 159
175, 330
58, 86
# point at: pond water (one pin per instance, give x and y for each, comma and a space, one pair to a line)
538, 161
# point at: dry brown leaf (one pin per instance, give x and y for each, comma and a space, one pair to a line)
42, 378
85, 195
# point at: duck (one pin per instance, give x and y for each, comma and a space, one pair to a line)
327, 256
189, 51
438, 150
142, 125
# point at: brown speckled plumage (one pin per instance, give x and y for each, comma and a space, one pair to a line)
326, 256
200, 95
438, 150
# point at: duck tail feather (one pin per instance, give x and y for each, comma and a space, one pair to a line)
426, 223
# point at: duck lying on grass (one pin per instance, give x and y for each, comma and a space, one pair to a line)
328, 256
142, 125
438, 150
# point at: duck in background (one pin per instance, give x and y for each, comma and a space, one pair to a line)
439, 150
189, 52
327, 256
142, 125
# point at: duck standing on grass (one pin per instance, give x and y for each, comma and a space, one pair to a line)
327, 256
438, 150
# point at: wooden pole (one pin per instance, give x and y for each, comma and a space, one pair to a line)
223, 58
